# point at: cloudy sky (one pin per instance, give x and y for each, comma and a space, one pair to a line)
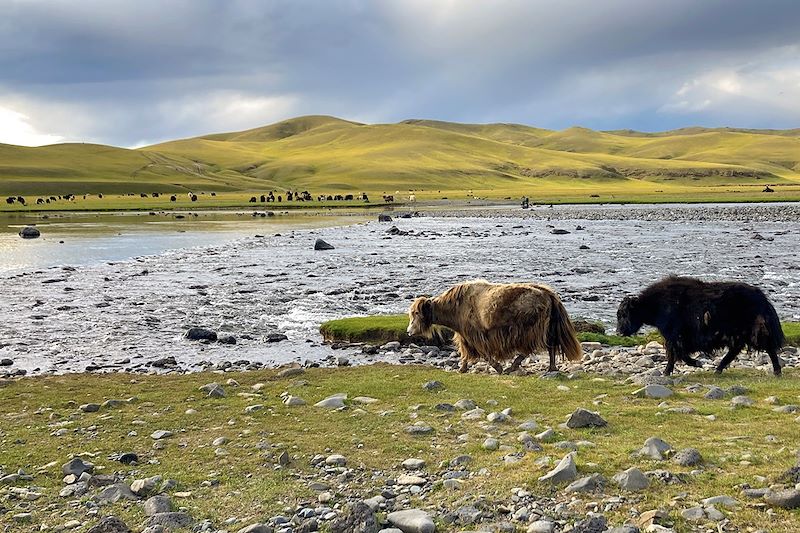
130, 73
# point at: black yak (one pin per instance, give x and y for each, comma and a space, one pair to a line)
695, 316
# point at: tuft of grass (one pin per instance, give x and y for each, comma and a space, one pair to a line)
372, 438
791, 330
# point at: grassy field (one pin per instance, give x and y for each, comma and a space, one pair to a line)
326, 155
385, 328
372, 437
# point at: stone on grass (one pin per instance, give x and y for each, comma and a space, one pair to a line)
742, 401
541, 526
332, 402
294, 401
653, 391
171, 520
632, 479
473, 414
114, 493
358, 518
256, 528
419, 428
200, 334
786, 499
161, 434
491, 444
144, 487
76, 466
157, 504
433, 385
582, 418
412, 521
688, 457
336, 460
723, 500
565, 471
465, 405
109, 524
694, 514
413, 464
714, 393
655, 448
586, 484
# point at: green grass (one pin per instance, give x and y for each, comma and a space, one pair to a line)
435, 159
372, 437
792, 332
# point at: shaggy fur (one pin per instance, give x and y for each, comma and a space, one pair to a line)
499, 322
696, 316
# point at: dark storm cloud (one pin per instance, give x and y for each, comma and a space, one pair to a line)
132, 72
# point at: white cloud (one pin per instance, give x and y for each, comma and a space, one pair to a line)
15, 128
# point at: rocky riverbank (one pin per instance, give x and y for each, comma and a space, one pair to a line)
388, 448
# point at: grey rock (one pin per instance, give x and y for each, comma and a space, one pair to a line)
632, 479
114, 493
29, 232
420, 428
161, 434
77, 466
171, 520
490, 444
109, 524
786, 499
714, 393
742, 401
90, 407
582, 418
332, 402
256, 528
144, 487
688, 457
565, 471
320, 244
723, 500
653, 391
157, 504
655, 448
359, 518
291, 372
624, 529
586, 484
541, 526
433, 385
465, 405
413, 464
593, 524
200, 334
694, 514
412, 521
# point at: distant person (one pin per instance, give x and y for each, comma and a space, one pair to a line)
525, 203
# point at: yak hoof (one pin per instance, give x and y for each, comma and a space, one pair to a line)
462, 369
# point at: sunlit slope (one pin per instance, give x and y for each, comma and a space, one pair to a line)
327, 154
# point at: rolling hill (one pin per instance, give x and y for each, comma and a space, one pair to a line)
327, 154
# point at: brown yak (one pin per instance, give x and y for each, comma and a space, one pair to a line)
499, 322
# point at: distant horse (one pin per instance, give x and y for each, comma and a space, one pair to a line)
499, 322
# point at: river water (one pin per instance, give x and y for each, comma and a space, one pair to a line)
129, 295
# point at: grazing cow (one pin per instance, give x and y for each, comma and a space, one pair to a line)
264, 198
11, 199
40, 201
100, 195
697, 316
499, 322
213, 194
173, 198
21, 200
348, 196
142, 195
252, 199
194, 197
388, 198
156, 195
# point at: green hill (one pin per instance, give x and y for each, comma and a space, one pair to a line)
327, 154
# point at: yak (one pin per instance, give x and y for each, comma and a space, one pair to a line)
499, 322
698, 316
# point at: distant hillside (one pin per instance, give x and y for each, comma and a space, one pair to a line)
323, 153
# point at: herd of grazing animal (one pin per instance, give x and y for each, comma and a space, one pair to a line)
497, 322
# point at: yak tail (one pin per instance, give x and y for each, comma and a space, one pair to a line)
770, 332
561, 334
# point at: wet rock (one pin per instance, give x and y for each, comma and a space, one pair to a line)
276, 337
688, 457
6, 362
412, 521
200, 334
582, 418
558, 231
29, 232
565, 471
632, 479
320, 244
76, 466
359, 518
226, 339
164, 362
384, 218
109, 524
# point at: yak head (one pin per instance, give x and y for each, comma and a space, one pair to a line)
628, 317
420, 317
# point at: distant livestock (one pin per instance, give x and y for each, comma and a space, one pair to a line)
11, 199
173, 198
388, 198
499, 322
697, 316
193, 197
21, 200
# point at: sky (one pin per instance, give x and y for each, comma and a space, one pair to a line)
132, 73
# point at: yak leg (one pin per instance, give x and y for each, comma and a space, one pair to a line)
733, 351
551, 350
518, 361
690, 361
673, 353
776, 364
498, 367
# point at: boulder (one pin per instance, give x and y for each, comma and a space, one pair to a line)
319, 244
109, 524
359, 518
412, 521
632, 479
582, 418
76, 466
565, 471
29, 232
200, 334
